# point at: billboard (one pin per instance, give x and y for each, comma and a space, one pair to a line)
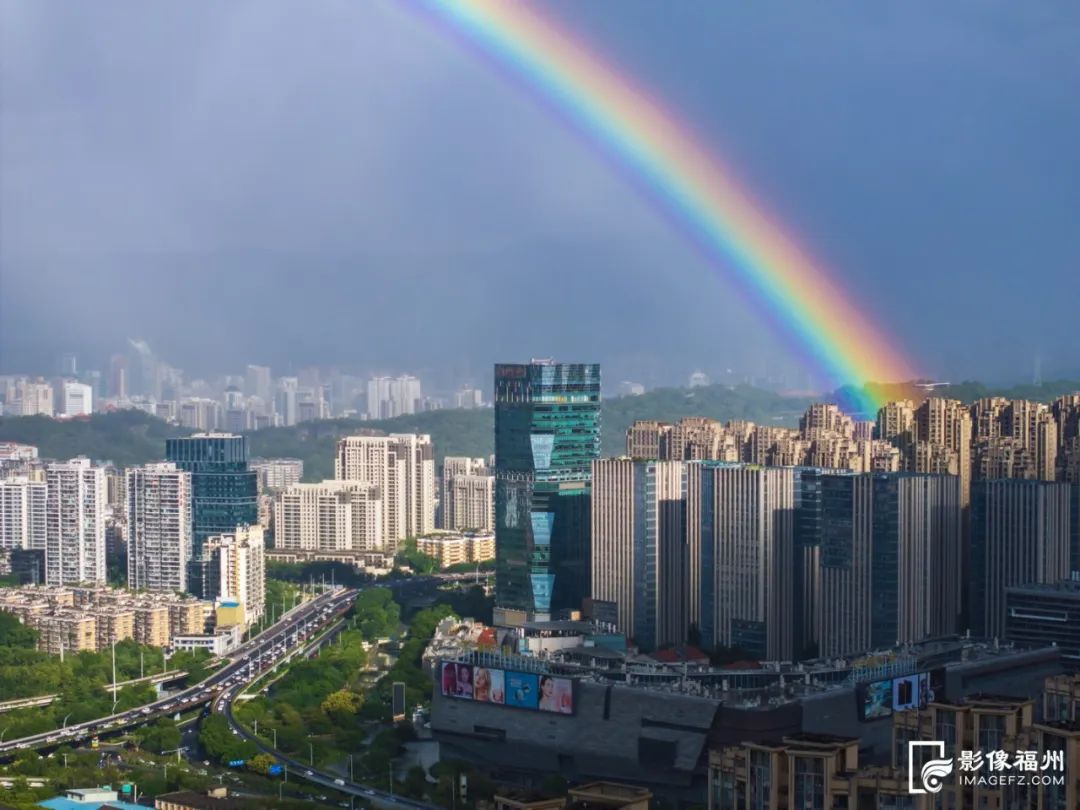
522, 690
879, 699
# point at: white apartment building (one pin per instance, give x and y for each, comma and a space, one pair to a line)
240, 560
467, 495
277, 473
75, 523
159, 527
329, 516
23, 505
402, 466
78, 399
30, 398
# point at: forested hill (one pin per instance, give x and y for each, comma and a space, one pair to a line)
132, 437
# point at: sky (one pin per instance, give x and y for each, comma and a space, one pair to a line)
340, 183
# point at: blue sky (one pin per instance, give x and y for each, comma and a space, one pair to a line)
340, 183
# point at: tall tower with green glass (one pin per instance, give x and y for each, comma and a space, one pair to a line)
547, 433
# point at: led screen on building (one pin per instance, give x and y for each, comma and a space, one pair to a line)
523, 690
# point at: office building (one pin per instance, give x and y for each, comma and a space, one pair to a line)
1021, 533
224, 491
639, 554
277, 473
890, 559
467, 495
23, 505
741, 541
330, 516
159, 527
547, 434
239, 559
75, 523
78, 399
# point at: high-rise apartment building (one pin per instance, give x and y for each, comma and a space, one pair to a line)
330, 516
547, 434
287, 401
890, 559
75, 523
467, 495
418, 453
23, 510
402, 466
238, 558
639, 553
742, 536
159, 527
1021, 533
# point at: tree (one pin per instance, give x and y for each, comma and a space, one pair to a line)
14, 633
219, 742
342, 704
162, 735
261, 763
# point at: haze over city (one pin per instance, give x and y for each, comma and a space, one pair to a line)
334, 185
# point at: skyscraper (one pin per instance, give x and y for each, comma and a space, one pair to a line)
23, 505
75, 528
745, 516
890, 556
1021, 533
639, 552
159, 527
547, 434
224, 492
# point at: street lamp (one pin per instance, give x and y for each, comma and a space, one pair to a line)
64, 725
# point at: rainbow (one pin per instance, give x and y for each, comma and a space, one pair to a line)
816, 316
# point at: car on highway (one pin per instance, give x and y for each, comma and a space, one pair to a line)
308, 773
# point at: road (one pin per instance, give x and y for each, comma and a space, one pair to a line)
244, 664
379, 798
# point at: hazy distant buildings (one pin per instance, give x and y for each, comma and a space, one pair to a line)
329, 516
29, 398
159, 527
1021, 533
75, 528
388, 397
258, 382
639, 553
286, 401
469, 398
23, 510
277, 473
78, 399
547, 434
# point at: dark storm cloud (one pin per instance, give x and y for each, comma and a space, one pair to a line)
336, 182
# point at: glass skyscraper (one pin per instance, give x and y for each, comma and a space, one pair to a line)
224, 492
547, 433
